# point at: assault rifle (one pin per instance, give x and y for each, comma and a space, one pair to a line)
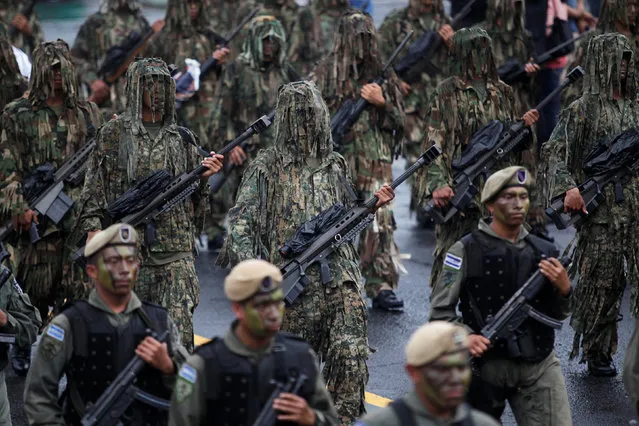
513, 72
465, 182
26, 11
121, 393
341, 229
418, 57
517, 310
349, 112
52, 203
184, 80
621, 172
178, 190
268, 416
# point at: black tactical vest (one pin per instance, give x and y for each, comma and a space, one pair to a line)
495, 270
101, 351
237, 388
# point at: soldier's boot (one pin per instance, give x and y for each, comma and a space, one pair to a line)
388, 301
601, 366
21, 360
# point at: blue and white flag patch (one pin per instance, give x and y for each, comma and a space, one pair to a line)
453, 261
188, 373
56, 332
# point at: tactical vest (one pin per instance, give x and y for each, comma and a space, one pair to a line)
100, 353
495, 270
237, 388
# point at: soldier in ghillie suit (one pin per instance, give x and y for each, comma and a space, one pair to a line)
14, 84
108, 27
616, 16
186, 35
287, 184
29, 33
368, 148
460, 106
247, 90
607, 245
142, 140
225, 15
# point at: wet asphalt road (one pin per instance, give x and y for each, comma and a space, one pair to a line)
596, 402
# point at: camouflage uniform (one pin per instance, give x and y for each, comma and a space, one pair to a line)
34, 133
13, 83
107, 28
247, 90
460, 106
127, 150
613, 18
368, 147
180, 39
607, 247
225, 15
8, 10
287, 184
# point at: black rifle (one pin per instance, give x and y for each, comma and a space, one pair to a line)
465, 182
512, 71
7, 338
505, 323
184, 80
349, 112
619, 174
27, 11
121, 393
420, 52
178, 190
343, 229
268, 416
52, 203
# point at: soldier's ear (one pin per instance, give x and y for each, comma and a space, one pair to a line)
238, 310
92, 271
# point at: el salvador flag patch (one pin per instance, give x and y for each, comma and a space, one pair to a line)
56, 332
453, 261
188, 373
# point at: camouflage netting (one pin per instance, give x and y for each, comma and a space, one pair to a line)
473, 55
258, 29
505, 15
302, 123
415, 8
602, 65
612, 12
42, 76
114, 5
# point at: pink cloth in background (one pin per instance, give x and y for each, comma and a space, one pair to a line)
556, 9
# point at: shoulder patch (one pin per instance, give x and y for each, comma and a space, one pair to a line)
185, 383
56, 332
453, 261
188, 373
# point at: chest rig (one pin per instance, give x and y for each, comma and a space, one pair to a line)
101, 351
495, 270
237, 387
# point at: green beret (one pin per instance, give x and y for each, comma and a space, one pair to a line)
433, 340
120, 234
506, 178
251, 277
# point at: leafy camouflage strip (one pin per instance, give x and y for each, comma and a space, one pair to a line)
607, 258
13, 83
9, 9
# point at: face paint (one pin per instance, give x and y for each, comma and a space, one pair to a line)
511, 205
264, 314
445, 381
118, 268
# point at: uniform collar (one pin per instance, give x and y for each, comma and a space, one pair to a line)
484, 226
413, 401
238, 347
97, 302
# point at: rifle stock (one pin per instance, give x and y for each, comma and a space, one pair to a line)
465, 183
345, 229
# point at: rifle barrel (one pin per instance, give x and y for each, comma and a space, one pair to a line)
544, 57
572, 76
397, 51
241, 25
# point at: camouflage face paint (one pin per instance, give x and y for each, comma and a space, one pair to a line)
118, 268
446, 380
264, 313
511, 206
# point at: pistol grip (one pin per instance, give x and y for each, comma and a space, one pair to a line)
34, 235
150, 234
325, 271
619, 197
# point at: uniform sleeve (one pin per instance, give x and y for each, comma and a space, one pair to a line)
223, 124
41, 387
12, 201
321, 401
188, 400
23, 319
445, 293
85, 50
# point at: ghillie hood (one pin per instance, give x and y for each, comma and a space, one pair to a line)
178, 18
415, 6
603, 62
260, 28
44, 58
473, 55
505, 16
613, 11
107, 6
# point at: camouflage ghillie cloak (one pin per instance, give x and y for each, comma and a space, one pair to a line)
107, 28
248, 88
607, 250
9, 9
391, 33
181, 39
33, 134
505, 24
289, 183
13, 83
126, 152
613, 18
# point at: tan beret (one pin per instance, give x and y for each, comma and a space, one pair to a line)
433, 340
120, 234
505, 178
250, 277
